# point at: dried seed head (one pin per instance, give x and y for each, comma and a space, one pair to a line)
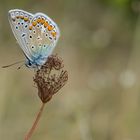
50, 78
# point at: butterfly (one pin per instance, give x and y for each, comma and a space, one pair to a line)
37, 35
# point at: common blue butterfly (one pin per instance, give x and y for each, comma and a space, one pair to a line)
37, 35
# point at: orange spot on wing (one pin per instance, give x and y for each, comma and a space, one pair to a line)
53, 34
46, 24
34, 23
42, 21
22, 17
30, 27
17, 17
26, 19
50, 27
39, 20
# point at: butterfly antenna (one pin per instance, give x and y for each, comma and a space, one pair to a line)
13, 64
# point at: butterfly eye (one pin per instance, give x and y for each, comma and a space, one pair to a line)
30, 64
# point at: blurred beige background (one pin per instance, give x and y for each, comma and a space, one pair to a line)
100, 45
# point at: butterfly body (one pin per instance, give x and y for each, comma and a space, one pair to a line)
36, 34
35, 62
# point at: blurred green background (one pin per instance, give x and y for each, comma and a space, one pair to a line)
100, 45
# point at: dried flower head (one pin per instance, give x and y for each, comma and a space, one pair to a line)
50, 78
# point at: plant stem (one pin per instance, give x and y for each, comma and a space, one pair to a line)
29, 134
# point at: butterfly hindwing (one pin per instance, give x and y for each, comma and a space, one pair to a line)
44, 34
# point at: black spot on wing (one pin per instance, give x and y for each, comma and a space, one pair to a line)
23, 35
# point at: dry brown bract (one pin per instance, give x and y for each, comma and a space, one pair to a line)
50, 78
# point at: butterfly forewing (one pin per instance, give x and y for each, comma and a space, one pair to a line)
36, 34
20, 21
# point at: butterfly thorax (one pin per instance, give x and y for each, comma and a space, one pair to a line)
35, 62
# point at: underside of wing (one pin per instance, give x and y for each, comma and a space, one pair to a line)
36, 34
20, 21
44, 34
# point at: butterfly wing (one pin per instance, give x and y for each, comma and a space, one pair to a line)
44, 34
36, 34
20, 21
